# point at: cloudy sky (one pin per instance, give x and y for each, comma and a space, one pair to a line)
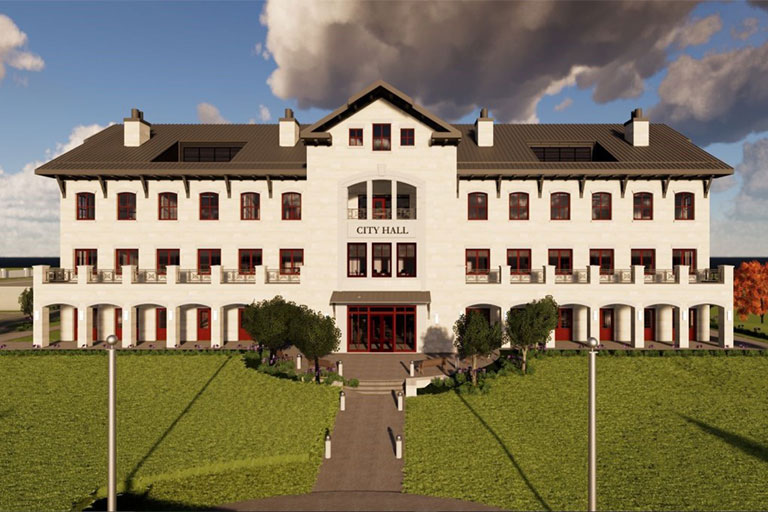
68, 70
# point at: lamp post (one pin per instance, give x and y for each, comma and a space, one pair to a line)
592, 425
111, 490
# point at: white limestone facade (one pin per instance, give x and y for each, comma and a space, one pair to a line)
343, 189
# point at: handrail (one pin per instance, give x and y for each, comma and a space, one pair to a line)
235, 276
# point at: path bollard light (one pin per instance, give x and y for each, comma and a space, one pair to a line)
399, 400
298, 361
111, 487
327, 446
399, 447
342, 401
340, 367
412, 369
593, 344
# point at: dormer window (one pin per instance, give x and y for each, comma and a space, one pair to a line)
355, 136
382, 137
200, 152
586, 152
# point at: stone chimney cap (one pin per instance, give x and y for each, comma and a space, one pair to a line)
136, 115
483, 112
288, 115
636, 115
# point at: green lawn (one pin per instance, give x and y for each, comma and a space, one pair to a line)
196, 430
54, 334
674, 433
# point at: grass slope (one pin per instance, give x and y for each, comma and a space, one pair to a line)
193, 430
674, 433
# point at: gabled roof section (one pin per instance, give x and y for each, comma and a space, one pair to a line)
443, 133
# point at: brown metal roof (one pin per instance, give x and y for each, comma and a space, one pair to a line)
384, 297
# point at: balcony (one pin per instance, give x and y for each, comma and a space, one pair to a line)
105, 276
60, 275
357, 213
278, 275
616, 276
527, 276
707, 275
150, 276
235, 276
575, 276
193, 276
663, 276
483, 276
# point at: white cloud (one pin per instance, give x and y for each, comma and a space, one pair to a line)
748, 27
12, 42
699, 31
264, 114
567, 102
209, 114
29, 218
260, 50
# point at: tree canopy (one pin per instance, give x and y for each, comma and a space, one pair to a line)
530, 325
750, 289
475, 336
269, 321
315, 335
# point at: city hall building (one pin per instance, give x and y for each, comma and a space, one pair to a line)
391, 220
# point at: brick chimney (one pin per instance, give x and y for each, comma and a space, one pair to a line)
484, 129
636, 130
289, 129
135, 129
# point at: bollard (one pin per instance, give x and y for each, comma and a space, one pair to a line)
399, 400
342, 401
412, 369
399, 447
340, 367
298, 361
327, 446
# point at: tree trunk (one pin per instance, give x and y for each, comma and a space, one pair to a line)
474, 370
317, 370
525, 360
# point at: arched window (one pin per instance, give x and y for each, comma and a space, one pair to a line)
518, 206
86, 206
601, 206
643, 206
560, 206
291, 206
684, 206
249, 206
126, 206
167, 206
209, 206
478, 206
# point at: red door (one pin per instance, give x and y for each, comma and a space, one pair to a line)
692, 317
564, 329
242, 334
380, 207
119, 323
95, 329
650, 324
203, 324
161, 324
383, 331
606, 325
74, 336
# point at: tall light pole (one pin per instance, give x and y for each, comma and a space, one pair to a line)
592, 425
111, 487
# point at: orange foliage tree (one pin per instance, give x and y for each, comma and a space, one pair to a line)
750, 290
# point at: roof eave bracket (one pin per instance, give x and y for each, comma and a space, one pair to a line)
62, 186
269, 186
185, 180
103, 184
229, 187
707, 185
665, 186
582, 184
624, 186
145, 186
540, 183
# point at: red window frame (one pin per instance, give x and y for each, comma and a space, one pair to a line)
685, 206
477, 206
645, 257
382, 136
379, 254
251, 258
560, 211
357, 252
472, 258
169, 210
641, 210
407, 136
601, 206
556, 255
404, 257
295, 258
291, 206
85, 206
517, 256
602, 258
209, 206
126, 206
355, 136
125, 257
679, 256
88, 256
361, 321
517, 210
250, 206
213, 256
165, 257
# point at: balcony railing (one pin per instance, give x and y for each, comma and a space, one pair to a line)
483, 276
660, 276
572, 276
527, 276
616, 276
193, 276
60, 275
406, 213
277, 275
105, 276
357, 213
150, 275
235, 276
706, 275
382, 213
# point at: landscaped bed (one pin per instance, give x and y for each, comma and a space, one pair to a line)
194, 430
674, 433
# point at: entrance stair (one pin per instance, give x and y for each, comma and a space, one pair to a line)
378, 387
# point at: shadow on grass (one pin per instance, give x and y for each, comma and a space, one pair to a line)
142, 501
744, 444
132, 474
511, 457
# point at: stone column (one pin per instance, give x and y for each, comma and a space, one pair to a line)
682, 327
67, 326
580, 323
369, 199
217, 327
84, 325
725, 327
638, 327
664, 323
593, 272
623, 320
638, 274
702, 323
129, 326
594, 323
41, 327
549, 274
172, 326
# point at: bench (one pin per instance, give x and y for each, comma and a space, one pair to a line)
430, 363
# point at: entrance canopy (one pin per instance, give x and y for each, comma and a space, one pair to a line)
382, 297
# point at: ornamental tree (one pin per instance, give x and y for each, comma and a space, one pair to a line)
315, 335
530, 325
26, 303
750, 290
475, 336
268, 322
